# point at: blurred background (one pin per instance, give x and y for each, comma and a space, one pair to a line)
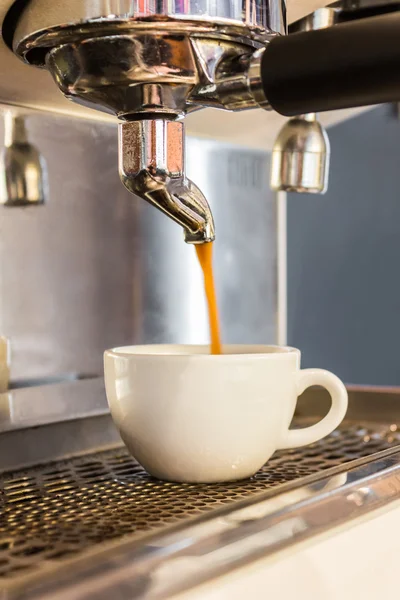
343, 256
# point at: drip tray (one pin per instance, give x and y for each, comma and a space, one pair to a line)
57, 510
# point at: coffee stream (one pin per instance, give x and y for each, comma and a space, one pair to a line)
204, 254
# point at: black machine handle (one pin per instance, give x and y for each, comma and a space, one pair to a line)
343, 66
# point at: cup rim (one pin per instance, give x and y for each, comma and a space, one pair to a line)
202, 351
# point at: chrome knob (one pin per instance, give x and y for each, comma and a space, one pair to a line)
23, 174
300, 157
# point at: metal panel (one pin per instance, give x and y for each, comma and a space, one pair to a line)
97, 267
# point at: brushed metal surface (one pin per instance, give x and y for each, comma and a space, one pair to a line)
164, 565
66, 268
101, 518
96, 267
236, 185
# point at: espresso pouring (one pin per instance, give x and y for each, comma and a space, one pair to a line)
204, 254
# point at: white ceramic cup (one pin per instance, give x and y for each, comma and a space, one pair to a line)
186, 415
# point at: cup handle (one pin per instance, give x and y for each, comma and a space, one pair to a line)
308, 435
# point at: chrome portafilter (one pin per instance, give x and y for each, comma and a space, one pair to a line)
150, 64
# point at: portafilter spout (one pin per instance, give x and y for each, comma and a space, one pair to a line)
152, 166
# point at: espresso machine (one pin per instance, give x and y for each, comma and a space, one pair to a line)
86, 263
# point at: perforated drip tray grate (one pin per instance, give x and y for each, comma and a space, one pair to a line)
59, 509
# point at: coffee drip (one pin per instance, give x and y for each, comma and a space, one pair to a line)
205, 254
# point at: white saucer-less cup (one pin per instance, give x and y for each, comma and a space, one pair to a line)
186, 415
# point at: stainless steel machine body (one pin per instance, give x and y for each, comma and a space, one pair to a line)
96, 267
